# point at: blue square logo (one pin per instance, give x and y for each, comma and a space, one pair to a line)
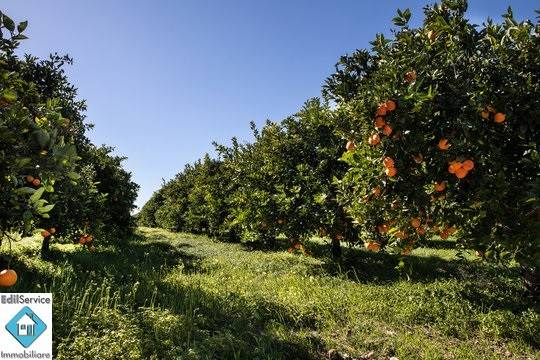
26, 327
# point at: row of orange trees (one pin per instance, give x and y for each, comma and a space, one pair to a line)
280, 184
53, 181
440, 130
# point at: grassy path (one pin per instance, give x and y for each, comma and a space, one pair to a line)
178, 296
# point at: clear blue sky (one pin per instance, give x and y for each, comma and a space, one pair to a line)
163, 79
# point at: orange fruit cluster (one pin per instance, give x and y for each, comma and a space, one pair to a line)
380, 122
86, 239
390, 170
49, 232
448, 230
32, 180
372, 246
460, 169
416, 223
498, 117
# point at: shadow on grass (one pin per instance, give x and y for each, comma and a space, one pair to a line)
214, 326
485, 285
370, 267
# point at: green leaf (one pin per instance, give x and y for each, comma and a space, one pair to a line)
25, 191
20, 37
8, 23
37, 195
73, 175
9, 95
22, 162
22, 26
45, 209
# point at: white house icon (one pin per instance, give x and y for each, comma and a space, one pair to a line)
26, 326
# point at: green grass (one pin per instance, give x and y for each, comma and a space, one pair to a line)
179, 296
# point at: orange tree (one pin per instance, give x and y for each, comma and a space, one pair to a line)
445, 122
208, 209
34, 154
92, 192
284, 180
196, 201
166, 207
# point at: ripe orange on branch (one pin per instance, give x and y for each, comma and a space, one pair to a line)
350, 146
86, 239
387, 130
415, 222
499, 117
454, 166
443, 144
484, 114
374, 139
439, 186
372, 246
391, 172
381, 110
388, 162
468, 165
390, 105
379, 122
461, 173
8, 277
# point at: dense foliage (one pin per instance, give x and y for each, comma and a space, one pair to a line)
445, 122
441, 131
194, 201
53, 179
282, 183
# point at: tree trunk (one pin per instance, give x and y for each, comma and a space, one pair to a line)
531, 279
45, 247
336, 248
